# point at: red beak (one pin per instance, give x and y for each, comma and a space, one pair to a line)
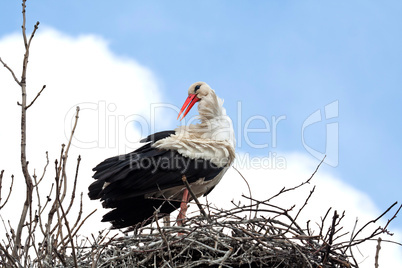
190, 101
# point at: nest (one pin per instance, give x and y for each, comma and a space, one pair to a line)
225, 241
259, 234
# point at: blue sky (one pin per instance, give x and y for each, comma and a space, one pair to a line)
278, 58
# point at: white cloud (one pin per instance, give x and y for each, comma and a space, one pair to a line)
112, 92
78, 71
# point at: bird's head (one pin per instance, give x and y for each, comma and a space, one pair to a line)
196, 92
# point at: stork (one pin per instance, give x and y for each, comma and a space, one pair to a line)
148, 181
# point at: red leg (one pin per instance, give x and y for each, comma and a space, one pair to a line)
183, 208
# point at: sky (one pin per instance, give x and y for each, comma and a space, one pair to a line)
299, 80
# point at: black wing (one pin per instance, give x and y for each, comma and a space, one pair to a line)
146, 170
158, 136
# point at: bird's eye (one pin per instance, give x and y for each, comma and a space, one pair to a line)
197, 87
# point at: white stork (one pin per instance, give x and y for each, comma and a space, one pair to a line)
135, 185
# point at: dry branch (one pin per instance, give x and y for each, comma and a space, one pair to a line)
46, 245
9, 191
32, 102
184, 179
24, 163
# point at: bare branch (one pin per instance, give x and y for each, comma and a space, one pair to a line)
9, 192
75, 185
73, 130
36, 26
75, 233
373, 221
1, 182
24, 162
248, 186
331, 235
32, 102
44, 170
11, 71
284, 190
184, 179
163, 236
67, 225
64, 157
377, 252
305, 203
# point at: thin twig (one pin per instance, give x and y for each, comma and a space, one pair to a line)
10, 190
249, 189
373, 221
284, 189
65, 156
75, 185
67, 226
163, 236
331, 235
184, 179
11, 71
377, 252
32, 102
1, 182
44, 170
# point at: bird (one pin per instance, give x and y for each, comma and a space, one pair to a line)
148, 181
